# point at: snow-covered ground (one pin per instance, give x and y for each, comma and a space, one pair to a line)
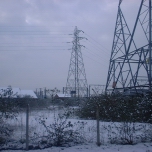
109, 133
142, 147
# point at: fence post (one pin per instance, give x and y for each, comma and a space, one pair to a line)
98, 126
27, 127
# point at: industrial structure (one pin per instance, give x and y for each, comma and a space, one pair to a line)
76, 85
96, 89
130, 66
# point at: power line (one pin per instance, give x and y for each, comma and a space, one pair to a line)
36, 26
32, 46
92, 59
35, 42
102, 58
97, 48
33, 50
33, 33
96, 41
16, 34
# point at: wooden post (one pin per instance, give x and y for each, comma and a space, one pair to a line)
27, 127
98, 126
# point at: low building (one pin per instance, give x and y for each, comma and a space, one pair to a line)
61, 96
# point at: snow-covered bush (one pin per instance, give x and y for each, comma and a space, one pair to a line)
128, 132
128, 111
61, 131
118, 108
8, 111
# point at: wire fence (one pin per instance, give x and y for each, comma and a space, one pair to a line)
32, 129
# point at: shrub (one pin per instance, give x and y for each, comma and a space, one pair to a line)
61, 131
8, 110
118, 108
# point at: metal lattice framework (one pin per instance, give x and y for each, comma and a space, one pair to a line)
130, 66
76, 82
97, 88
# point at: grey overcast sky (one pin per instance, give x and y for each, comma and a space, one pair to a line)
34, 52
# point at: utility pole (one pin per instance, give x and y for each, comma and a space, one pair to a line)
45, 92
40, 93
97, 117
27, 127
150, 45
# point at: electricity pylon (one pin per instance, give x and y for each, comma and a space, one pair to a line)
76, 82
130, 66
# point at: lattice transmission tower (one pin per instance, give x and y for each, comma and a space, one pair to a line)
76, 82
131, 65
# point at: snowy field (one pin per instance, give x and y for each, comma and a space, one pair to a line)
147, 147
111, 134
